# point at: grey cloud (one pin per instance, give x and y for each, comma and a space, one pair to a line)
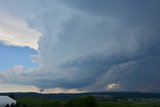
137, 75
92, 37
129, 10
86, 44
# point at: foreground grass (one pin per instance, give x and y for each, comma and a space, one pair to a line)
38, 102
129, 104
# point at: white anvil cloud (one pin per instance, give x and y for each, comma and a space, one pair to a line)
14, 31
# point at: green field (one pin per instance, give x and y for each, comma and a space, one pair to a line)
84, 102
129, 104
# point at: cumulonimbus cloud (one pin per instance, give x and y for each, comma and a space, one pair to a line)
84, 48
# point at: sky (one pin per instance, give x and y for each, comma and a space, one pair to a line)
72, 46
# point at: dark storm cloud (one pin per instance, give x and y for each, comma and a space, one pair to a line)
136, 11
87, 38
97, 45
136, 75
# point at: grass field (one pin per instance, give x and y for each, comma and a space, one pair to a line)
37, 102
129, 104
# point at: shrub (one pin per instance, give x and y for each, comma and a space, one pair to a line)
7, 105
12, 105
87, 101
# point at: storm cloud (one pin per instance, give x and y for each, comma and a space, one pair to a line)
106, 44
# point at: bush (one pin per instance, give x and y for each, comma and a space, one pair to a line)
57, 104
24, 105
17, 104
12, 96
7, 105
12, 105
87, 101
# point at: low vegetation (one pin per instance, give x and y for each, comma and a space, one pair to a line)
84, 101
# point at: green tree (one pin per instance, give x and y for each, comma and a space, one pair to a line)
17, 104
7, 105
12, 105
12, 96
24, 105
57, 103
87, 101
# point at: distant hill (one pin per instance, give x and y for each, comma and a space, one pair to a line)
96, 94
